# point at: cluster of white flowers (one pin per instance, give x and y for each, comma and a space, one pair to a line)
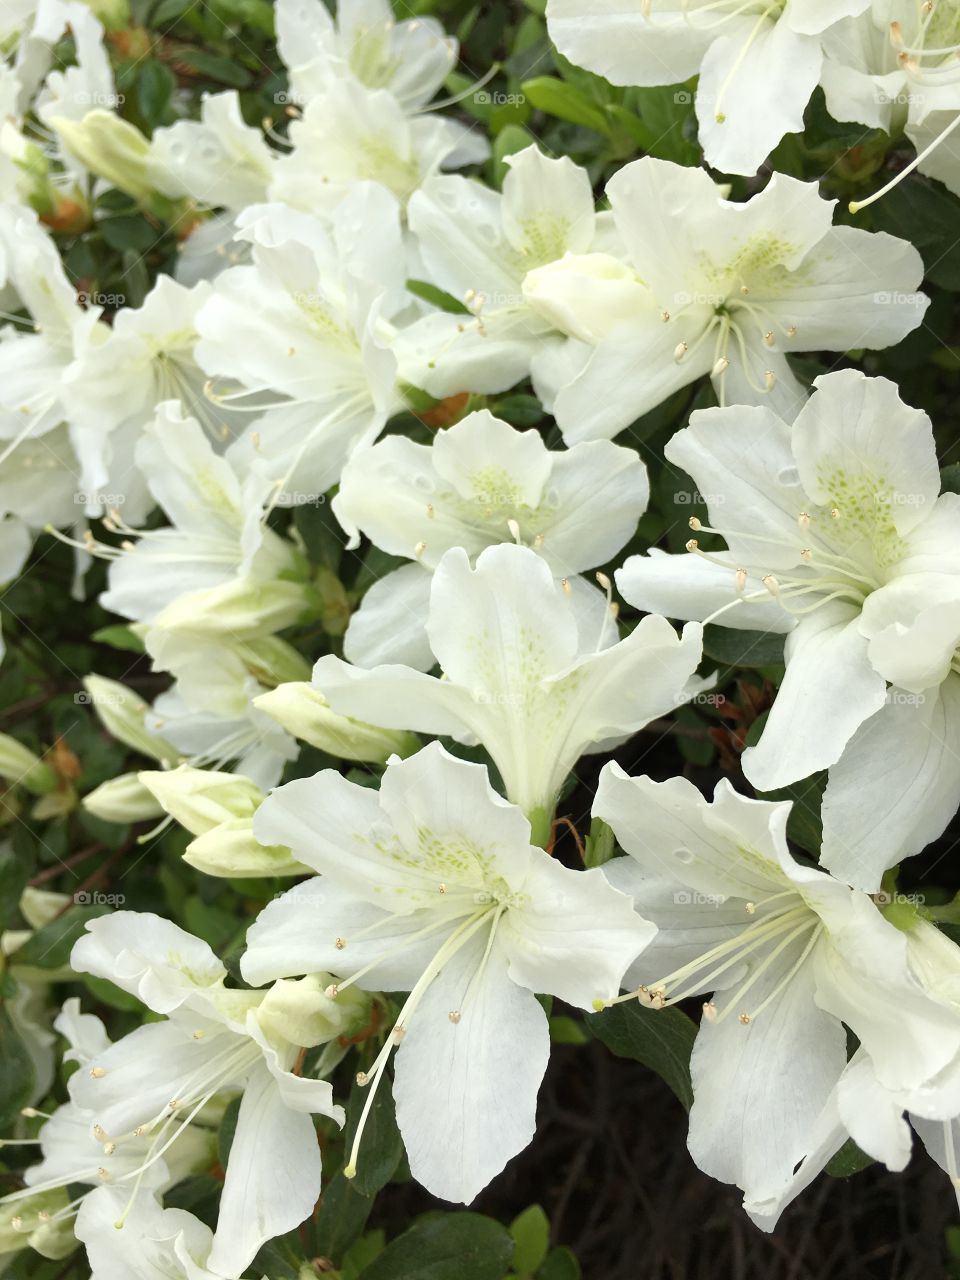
262, 378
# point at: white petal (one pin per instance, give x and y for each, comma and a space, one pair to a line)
860, 448
273, 1176
687, 586
895, 787
855, 289
297, 933
547, 206
629, 373
391, 623
575, 935
864, 978
466, 1090
674, 833
828, 690
872, 1115
150, 957
761, 89
623, 44
759, 1089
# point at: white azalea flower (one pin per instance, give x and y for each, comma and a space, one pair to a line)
32, 365
144, 359
317, 341
218, 160
758, 62
74, 1150
210, 713
731, 290
480, 483
537, 675
411, 59
878, 1118
150, 1242
431, 886
154, 1081
349, 134
837, 521
479, 245
787, 957
895, 68
218, 569
74, 91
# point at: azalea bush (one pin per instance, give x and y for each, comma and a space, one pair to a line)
480, 693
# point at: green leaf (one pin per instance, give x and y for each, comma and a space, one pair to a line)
531, 1239
155, 86
950, 478
519, 410
436, 297
168, 11
217, 67
382, 1146
560, 99
362, 1253
848, 1161
119, 637
560, 1265
17, 1073
50, 947
661, 1039
450, 1246
565, 1030
129, 231
805, 825
341, 1218
743, 648
600, 845
14, 873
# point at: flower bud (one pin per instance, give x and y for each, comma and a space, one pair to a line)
23, 768
587, 295
202, 799
240, 609
27, 1222
303, 711
122, 799
232, 851
300, 1012
122, 712
111, 148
